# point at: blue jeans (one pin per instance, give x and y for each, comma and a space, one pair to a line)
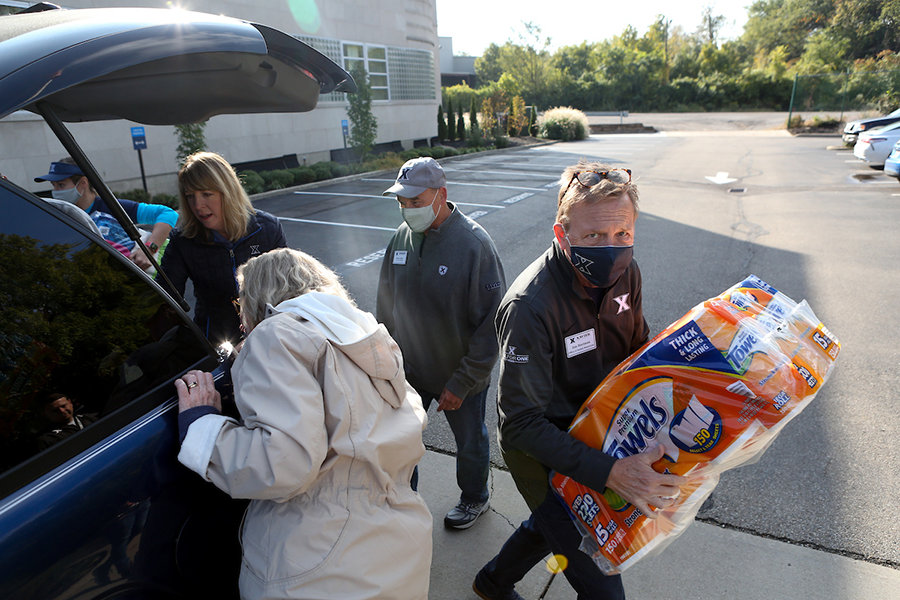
473, 450
548, 529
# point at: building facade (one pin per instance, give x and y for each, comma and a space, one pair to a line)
456, 69
395, 40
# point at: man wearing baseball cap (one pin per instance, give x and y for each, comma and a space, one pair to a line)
441, 282
70, 185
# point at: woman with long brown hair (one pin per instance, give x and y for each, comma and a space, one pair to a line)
218, 231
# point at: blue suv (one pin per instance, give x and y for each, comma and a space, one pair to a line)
93, 503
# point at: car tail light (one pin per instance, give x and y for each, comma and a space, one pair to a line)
873, 140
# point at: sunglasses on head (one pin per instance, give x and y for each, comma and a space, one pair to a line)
236, 303
591, 178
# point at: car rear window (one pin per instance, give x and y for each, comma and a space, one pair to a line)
76, 322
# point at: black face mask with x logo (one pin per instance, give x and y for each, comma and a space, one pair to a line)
601, 265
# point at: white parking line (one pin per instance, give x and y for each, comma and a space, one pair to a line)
506, 187
338, 194
543, 166
517, 173
337, 224
384, 197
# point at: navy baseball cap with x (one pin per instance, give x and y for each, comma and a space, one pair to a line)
59, 171
416, 176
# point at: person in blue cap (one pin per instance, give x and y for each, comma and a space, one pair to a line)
70, 185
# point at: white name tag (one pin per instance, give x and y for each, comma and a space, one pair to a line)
580, 343
400, 257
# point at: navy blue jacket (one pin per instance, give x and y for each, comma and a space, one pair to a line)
212, 267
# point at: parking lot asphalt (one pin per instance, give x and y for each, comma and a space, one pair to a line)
716, 206
707, 562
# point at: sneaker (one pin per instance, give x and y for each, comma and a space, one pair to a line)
464, 514
485, 588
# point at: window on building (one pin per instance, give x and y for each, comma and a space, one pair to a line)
412, 74
394, 73
374, 60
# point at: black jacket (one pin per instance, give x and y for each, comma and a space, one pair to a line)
212, 267
555, 349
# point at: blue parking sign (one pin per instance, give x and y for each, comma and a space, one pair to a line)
138, 138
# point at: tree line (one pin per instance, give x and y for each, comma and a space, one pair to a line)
816, 54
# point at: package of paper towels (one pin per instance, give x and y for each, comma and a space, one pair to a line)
714, 388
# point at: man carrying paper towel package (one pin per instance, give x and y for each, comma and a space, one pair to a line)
568, 320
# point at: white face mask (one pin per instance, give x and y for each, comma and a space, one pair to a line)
70, 195
420, 219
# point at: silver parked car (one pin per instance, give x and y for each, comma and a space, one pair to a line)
875, 145
854, 128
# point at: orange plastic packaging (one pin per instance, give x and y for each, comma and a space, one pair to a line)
714, 388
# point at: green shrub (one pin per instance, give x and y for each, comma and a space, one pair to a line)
409, 154
302, 175
442, 124
166, 200
564, 124
423, 152
795, 122
825, 122
450, 151
438, 152
338, 169
451, 121
322, 171
501, 141
252, 182
277, 179
475, 137
387, 160
137, 194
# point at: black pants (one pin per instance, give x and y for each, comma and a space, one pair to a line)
548, 529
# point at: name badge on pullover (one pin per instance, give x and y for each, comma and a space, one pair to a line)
400, 257
581, 342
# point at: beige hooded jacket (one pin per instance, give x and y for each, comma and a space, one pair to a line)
331, 433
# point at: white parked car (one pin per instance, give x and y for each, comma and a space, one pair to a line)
875, 146
854, 128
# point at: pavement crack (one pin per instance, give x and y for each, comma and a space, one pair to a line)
811, 545
750, 231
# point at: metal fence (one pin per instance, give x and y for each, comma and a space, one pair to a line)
845, 91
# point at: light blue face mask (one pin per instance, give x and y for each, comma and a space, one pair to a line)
420, 219
70, 195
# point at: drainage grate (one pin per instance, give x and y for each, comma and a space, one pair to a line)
736, 190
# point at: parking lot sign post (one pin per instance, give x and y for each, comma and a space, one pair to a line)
345, 129
139, 141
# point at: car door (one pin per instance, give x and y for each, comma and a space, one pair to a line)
104, 510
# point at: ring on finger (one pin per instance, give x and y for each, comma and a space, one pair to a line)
192, 385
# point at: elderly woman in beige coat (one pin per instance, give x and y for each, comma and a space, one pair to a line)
329, 435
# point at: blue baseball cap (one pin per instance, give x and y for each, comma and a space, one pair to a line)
59, 171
